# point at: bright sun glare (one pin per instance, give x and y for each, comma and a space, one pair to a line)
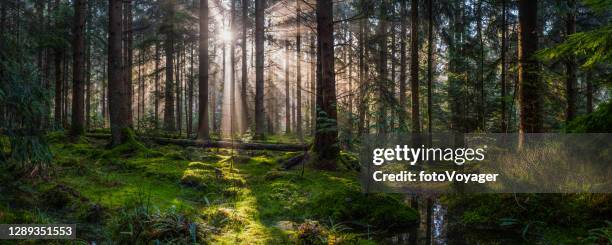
226, 35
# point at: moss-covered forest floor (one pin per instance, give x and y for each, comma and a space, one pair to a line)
138, 193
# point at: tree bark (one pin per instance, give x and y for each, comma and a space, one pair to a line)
298, 63
89, 87
325, 144
414, 65
178, 88
169, 120
244, 70
504, 28
156, 95
118, 96
128, 56
529, 84
287, 93
402, 83
430, 49
259, 66
313, 82
481, 98
382, 69
58, 87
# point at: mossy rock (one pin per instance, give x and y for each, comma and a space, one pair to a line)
223, 217
200, 165
198, 178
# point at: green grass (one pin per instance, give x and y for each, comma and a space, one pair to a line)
242, 195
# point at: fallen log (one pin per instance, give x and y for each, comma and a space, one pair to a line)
214, 143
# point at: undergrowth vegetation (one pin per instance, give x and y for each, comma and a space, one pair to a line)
140, 192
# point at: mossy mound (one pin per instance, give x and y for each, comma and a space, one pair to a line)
375, 209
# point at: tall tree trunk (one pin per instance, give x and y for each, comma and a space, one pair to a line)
570, 65
58, 87
325, 144
259, 68
104, 99
529, 84
178, 88
298, 66
190, 92
156, 95
287, 91
363, 67
89, 88
128, 56
402, 83
382, 69
504, 44
313, 84
414, 65
169, 120
481, 97
213, 97
430, 49
233, 111
65, 86
244, 70
118, 96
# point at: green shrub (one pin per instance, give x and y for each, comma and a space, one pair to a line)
376, 209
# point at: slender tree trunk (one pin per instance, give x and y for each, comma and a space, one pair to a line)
529, 84
118, 96
244, 70
128, 56
190, 92
260, 6
89, 88
169, 120
481, 98
213, 97
504, 44
382, 69
430, 49
104, 98
156, 95
363, 74
402, 83
429, 215
58, 87
325, 144
178, 89
65, 86
570, 65
414, 65
287, 91
313, 79
298, 66
233, 110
